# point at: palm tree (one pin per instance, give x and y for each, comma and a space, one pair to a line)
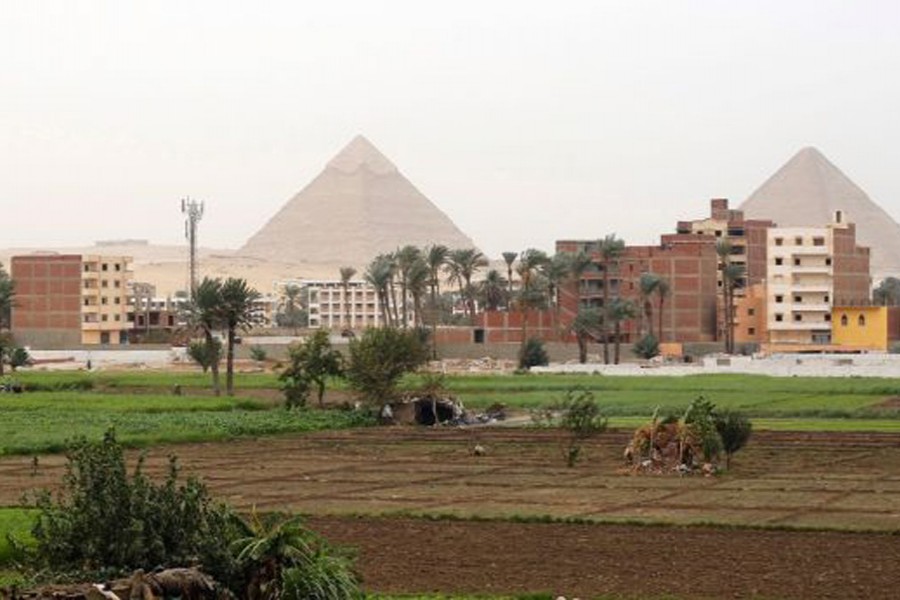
417, 277
407, 258
492, 290
347, 274
610, 249
7, 298
732, 277
530, 291
648, 284
509, 258
378, 275
464, 263
435, 260
556, 271
620, 310
579, 263
203, 313
662, 291
585, 325
289, 305
237, 311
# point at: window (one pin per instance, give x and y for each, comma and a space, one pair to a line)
751, 331
751, 312
104, 318
103, 300
798, 317
818, 241
117, 267
87, 302
104, 283
105, 267
843, 320
798, 241
796, 262
116, 300
828, 262
718, 233
115, 317
826, 299
779, 261
798, 298
861, 321
779, 241
117, 283
779, 317
86, 268
828, 317
779, 298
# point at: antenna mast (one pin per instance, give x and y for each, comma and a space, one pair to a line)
193, 212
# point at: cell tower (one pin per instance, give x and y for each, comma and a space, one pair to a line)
193, 212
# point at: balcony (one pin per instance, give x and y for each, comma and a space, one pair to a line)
822, 269
811, 307
810, 251
800, 325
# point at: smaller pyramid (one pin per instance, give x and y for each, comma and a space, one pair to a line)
807, 191
359, 206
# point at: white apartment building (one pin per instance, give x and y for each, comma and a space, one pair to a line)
808, 268
360, 309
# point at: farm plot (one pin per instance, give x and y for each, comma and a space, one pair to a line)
822, 480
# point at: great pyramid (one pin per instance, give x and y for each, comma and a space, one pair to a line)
807, 191
359, 206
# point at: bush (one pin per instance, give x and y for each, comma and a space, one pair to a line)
205, 355
582, 419
700, 420
258, 353
647, 347
312, 363
105, 521
734, 429
19, 357
380, 358
533, 354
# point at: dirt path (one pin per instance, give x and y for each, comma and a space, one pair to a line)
417, 556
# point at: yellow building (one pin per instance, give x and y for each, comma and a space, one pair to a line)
865, 327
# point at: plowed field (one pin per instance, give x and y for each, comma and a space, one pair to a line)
839, 481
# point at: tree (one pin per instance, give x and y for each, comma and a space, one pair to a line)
662, 292
734, 429
531, 288
492, 291
19, 357
378, 275
582, 419
408, 260
238, 311
417, 277
609, 249
647, 347
509, 258
380, 358
648, 284
291, 312
533, 354
203, 313
311, 364
285, 560
347, 274
555, 272
206, 353
585, 326
463, 264
104, 518
579, 263
619, 310
732, 277
7, 298
888, 292
435, 260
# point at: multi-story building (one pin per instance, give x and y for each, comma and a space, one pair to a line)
810, 270
687, 263
748, 241
69, 299
361, 308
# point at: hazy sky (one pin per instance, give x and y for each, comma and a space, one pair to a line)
524, 121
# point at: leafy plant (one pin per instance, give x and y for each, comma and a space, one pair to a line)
258, 353
380, 358
647, 347
311, 364
105, 520
533, 354
582, 419
205, 353
734, 429
699, 422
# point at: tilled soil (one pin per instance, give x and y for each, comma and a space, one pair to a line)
418, 556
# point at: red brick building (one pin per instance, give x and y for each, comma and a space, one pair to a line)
688, 263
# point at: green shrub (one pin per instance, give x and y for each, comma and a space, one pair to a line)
533, 354
312, 363
205, 355
19, 357
582, 419
734, 429
258, 353
105, 521
380, 358
647, 347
